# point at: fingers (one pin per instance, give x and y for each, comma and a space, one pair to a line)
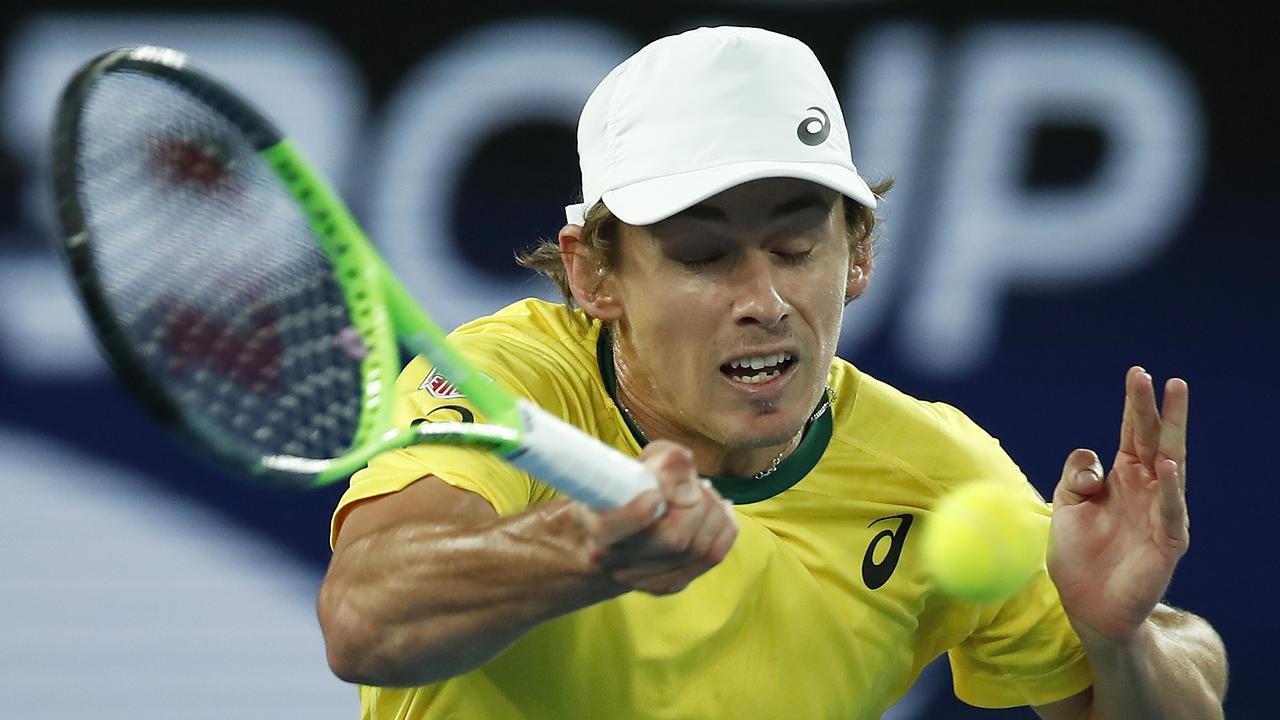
1173, 505
658, 579
673, 467
606, 527
671, 574
1140, 429
1173, 426
1171, 468
678, 484
719, 519
1126, 416
682, 535
1082, 478
1148, 432
663, 553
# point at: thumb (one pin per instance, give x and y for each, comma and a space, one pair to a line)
1082, 478
672, 466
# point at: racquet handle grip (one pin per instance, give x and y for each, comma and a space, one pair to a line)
575, 463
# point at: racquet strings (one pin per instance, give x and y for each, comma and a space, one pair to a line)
213, 274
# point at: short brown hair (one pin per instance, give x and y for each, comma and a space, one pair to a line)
601, 231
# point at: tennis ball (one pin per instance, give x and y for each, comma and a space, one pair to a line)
984, 541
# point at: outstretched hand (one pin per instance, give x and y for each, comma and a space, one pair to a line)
1116, 538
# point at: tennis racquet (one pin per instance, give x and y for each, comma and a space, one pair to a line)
237, 298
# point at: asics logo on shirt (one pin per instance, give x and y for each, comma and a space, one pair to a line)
876, 574
464, 415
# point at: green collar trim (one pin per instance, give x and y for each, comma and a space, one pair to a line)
740, 490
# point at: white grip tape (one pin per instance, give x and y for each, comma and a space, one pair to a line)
576, 463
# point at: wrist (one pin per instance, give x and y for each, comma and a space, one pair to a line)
589, 580
1166, 668
1113, 630
1117, 652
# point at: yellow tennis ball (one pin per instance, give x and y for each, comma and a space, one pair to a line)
984, 541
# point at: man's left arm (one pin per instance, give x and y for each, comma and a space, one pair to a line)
1115, 541
1175, 666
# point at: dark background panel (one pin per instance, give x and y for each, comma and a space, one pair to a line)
1201, 307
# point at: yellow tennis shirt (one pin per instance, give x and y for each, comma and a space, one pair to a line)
822, 608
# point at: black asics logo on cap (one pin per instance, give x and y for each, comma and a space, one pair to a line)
812, 130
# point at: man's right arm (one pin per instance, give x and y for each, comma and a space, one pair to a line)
430, 582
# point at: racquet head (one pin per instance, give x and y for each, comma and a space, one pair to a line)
235, 295
235, 313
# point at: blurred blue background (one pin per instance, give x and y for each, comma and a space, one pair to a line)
1080, 187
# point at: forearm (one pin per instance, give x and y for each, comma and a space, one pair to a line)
1174, 668
420, 603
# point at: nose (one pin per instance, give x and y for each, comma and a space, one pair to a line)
757, 300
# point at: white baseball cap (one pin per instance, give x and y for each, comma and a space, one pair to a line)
694, 114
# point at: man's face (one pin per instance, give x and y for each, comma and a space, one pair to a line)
731, 310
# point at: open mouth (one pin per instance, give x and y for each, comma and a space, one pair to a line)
757, 369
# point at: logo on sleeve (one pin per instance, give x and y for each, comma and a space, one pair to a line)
442, 414
876, 574
440, 387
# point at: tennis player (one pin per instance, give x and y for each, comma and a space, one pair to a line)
723, 233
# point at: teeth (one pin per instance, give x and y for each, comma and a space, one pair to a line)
757, 378
760, 362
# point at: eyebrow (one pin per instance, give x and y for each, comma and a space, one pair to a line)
801, 203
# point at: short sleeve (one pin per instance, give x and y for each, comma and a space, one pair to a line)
1022, 651
422, 395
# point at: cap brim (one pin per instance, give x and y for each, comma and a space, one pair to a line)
649, 201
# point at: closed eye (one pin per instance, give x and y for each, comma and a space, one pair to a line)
795, 258
701, 263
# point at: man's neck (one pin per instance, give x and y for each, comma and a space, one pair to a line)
639, 400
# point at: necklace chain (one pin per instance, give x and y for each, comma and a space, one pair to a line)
828, 397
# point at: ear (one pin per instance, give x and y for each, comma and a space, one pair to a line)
859, 273
592, 284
